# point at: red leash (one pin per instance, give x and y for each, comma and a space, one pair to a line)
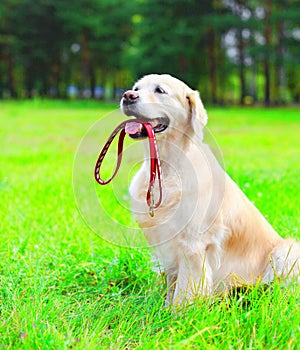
155, 166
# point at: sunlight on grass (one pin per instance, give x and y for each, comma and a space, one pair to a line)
62, 286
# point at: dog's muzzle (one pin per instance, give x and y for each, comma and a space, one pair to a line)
159, 125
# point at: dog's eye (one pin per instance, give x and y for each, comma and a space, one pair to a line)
160, 90
136, 89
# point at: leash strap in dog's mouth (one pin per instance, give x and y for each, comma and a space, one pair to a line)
155, 166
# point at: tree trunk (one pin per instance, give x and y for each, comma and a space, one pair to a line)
85, 59
10, 75
253, 71
279, 69
92, 80
241, 67
268, 34
29, 80
212, 65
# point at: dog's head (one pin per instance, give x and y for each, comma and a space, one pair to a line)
165, 102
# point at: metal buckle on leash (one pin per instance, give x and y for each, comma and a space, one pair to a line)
151, 206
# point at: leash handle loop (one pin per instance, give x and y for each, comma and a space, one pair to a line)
104, 151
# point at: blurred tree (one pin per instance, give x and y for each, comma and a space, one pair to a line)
7, 49
216, 23
100, 28
38, 31
226, 21
286, 19
169, 37
276, 45
44, 36
268, 39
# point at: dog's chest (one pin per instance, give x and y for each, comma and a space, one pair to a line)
175, 211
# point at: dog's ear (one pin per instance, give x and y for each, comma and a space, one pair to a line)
197, 110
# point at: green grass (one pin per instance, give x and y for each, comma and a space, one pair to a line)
63, 287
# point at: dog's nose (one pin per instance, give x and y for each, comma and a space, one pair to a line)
129, 97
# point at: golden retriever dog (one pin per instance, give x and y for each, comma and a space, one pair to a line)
208, 236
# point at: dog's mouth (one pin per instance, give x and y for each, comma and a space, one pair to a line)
138, 131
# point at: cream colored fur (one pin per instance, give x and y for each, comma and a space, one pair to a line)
207, 234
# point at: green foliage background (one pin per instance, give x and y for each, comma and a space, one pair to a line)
232, 50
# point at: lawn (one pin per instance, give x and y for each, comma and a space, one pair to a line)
62, 286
